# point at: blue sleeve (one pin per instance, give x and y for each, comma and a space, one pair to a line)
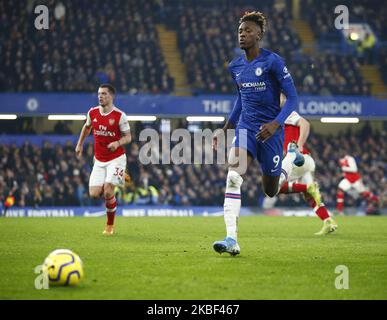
236, 111
287, 86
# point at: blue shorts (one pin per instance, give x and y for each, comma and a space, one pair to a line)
269, 153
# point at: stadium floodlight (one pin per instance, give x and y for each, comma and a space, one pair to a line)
8, 116
207, 118
66, 117
339, 120
354, 36
141, 118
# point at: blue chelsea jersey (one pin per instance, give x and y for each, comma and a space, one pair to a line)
259, 84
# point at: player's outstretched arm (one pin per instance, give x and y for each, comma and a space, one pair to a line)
84, 133
304, 132
231, 121
287, 86
235, 114
290, 105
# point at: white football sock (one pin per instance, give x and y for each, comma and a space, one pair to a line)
232, 203
287, 167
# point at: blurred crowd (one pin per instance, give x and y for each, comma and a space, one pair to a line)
368, 147
368, 50
383, 64
207, 37
88, 43
322, 17
329, 74
93, 42
51, 175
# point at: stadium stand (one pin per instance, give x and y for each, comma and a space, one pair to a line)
321, 18
329, 74
207, 37
371, 12
123, 47
208, 41
52, 175
81, 51
383, 63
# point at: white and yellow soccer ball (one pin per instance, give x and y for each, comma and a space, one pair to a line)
63, 268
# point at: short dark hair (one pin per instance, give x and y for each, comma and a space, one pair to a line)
111, 89
257, 17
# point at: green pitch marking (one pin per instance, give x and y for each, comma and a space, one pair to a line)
172, 258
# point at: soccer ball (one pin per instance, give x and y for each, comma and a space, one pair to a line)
63, 267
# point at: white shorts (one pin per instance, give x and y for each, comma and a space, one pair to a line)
357, 186
108, 172
305, 173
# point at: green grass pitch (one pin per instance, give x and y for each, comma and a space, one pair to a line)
172, 258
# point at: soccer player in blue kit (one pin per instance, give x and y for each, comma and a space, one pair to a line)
260, 76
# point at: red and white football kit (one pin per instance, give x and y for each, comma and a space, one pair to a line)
352, 178
352, 182
301, 177
109, 166
303, 174
292, 131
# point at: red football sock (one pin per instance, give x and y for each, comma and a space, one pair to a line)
375, 198
322, 212
299, 187
366, 195
370, 197
284, 188
111, 208
340, 201
290, 187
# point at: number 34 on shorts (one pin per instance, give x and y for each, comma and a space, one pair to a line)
119, 172
111, 172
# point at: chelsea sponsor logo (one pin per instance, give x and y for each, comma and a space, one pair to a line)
258, 71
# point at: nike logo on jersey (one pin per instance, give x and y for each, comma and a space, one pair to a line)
237, 74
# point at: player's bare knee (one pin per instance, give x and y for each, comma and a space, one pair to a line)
108, 191
95, 194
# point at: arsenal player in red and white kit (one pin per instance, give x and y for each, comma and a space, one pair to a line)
111, 131
301, 179
352, 182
